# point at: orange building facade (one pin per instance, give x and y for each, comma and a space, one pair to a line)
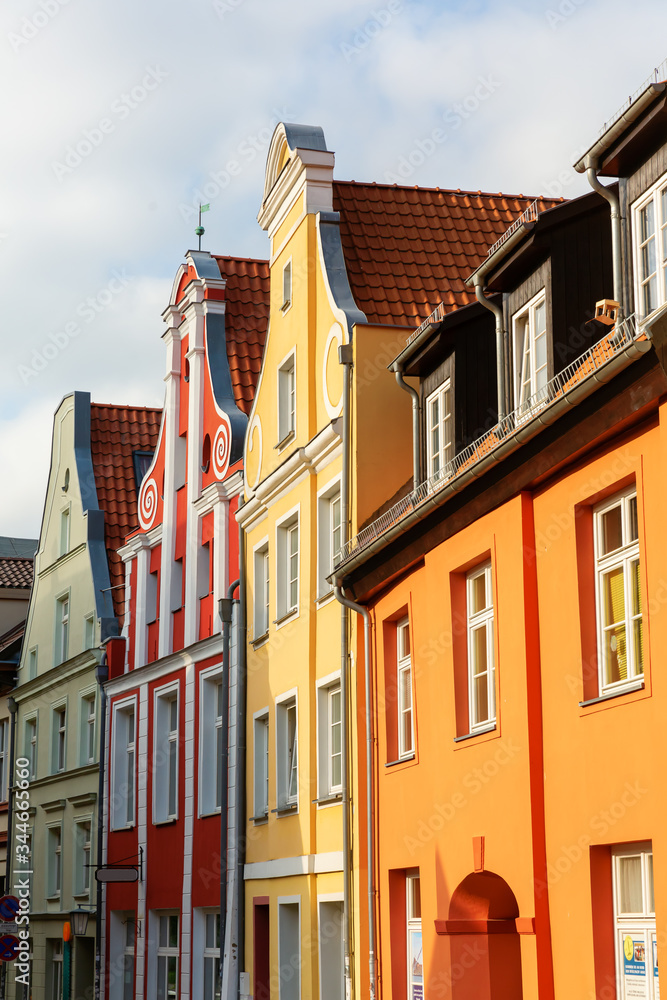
516, 597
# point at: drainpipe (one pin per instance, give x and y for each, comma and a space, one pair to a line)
13, 708
240, 797
101, 675
347, 603
612, 198
226, 606
500, 347
416, 449
345, 357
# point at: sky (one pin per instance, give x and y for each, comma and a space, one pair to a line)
119, 116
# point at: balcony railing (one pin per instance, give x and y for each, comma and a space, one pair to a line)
516, 427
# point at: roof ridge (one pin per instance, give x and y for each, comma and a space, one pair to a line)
245, 260
127, 406
441, 190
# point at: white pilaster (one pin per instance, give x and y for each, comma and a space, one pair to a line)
172, 339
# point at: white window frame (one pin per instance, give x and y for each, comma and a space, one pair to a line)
87, 727
640, 927
123, 763
438, 458
30, 743
81, 874
526, 358
287, 752
89, 631
122, 954
403, 670
474, 622
659, 235
59, 737
328, 793
210, 733
288, 286
54, 861
261, 763
286, 397
65, 528
211, 953
287, 584
413, 924
32, 663
330, 911
327, 528
261, 594
164, 952
63, 614
289, 987
623, 557
165, 744
55, 947
4, 759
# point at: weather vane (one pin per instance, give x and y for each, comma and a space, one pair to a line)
199, 231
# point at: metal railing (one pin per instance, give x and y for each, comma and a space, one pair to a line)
580, 370
529, 215
657, 76
436, 317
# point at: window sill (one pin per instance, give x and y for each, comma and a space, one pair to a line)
324, 598
478, 732
285, 441
260, 820
207, 813
85, 895
165, 822
287, 810
260, 640
401, 760
608, 695
53, 899
328, 800
121, 829
292, 613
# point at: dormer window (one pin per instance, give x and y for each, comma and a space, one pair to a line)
439, 432
649, 223
287, 286
530, 352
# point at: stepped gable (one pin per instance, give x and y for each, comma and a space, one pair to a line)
116, 432
246, 322
409, 248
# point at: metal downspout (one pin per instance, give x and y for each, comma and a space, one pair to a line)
416, 450
346, 602
612, 198
13, 709
500, 348
240, 803
226, 607
101, 675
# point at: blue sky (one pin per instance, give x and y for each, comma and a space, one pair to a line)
117, 113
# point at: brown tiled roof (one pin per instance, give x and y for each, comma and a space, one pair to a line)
409, 248
246, 320
16, 572
115, 433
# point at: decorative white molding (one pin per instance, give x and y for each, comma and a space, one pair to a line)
304, 864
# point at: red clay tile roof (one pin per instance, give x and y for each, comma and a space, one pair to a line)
16, 572
246, 321
408, 248
115, 433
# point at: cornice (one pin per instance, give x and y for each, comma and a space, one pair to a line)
203, 649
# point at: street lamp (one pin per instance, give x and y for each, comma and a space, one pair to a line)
79, 921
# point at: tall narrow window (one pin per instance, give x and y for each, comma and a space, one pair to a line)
335, 747
54, 861
167, 957
31, 745
634, 919
481, 670
212, 981
211, 774
618, 592
32, 663
292, 755
4, 759
261, 594
530, 353
650, 240
55, 968
329, 535
287, 399
64, 531
165, 758
62, 629
261, 766
287, 285
87, 710
287, 764
82, 858
440, 434
59, 739
287, 590
415, 960
404, 679
128, 957
289, 950
89, 632
123, 766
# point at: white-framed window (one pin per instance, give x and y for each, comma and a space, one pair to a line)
210, 742
481, 659
618, 592
4, 758
287, 566
289, 947
30, 744
212, 972
287, 752
415, 960
330, 758
287, 398
634, 921
287, 286
261, 764
62, 628
82, 841
649, 236
439, 428
54, 951
89, 631
261, 593
204, 570
64, 530
54, 870
129, 945
32, 663
530, 351
122, 937
165, 756
151, 598
87, 746
123, 749
331, 952
166, 978
406, 741
329, 534
59, 739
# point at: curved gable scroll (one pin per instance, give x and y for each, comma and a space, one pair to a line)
286, 139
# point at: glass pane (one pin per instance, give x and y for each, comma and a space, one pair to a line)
171, 976
615, 655
650, 296
218, 768
639, 646
478, 664
405, 694
219, 699
163, 937
129, 933
416, 899
173, 931
406, 731
293, 541
648, 259
612, 529
208, 978
481, 698
210, 930
613, 596
651, 894
478, 593
161, 978
540, 318
173, 707
632, 512
404, 641
128, 977
172, 777
336, 772
630, 885
540, 351
647, 220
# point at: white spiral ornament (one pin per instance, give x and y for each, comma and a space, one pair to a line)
222, 450
147, 503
